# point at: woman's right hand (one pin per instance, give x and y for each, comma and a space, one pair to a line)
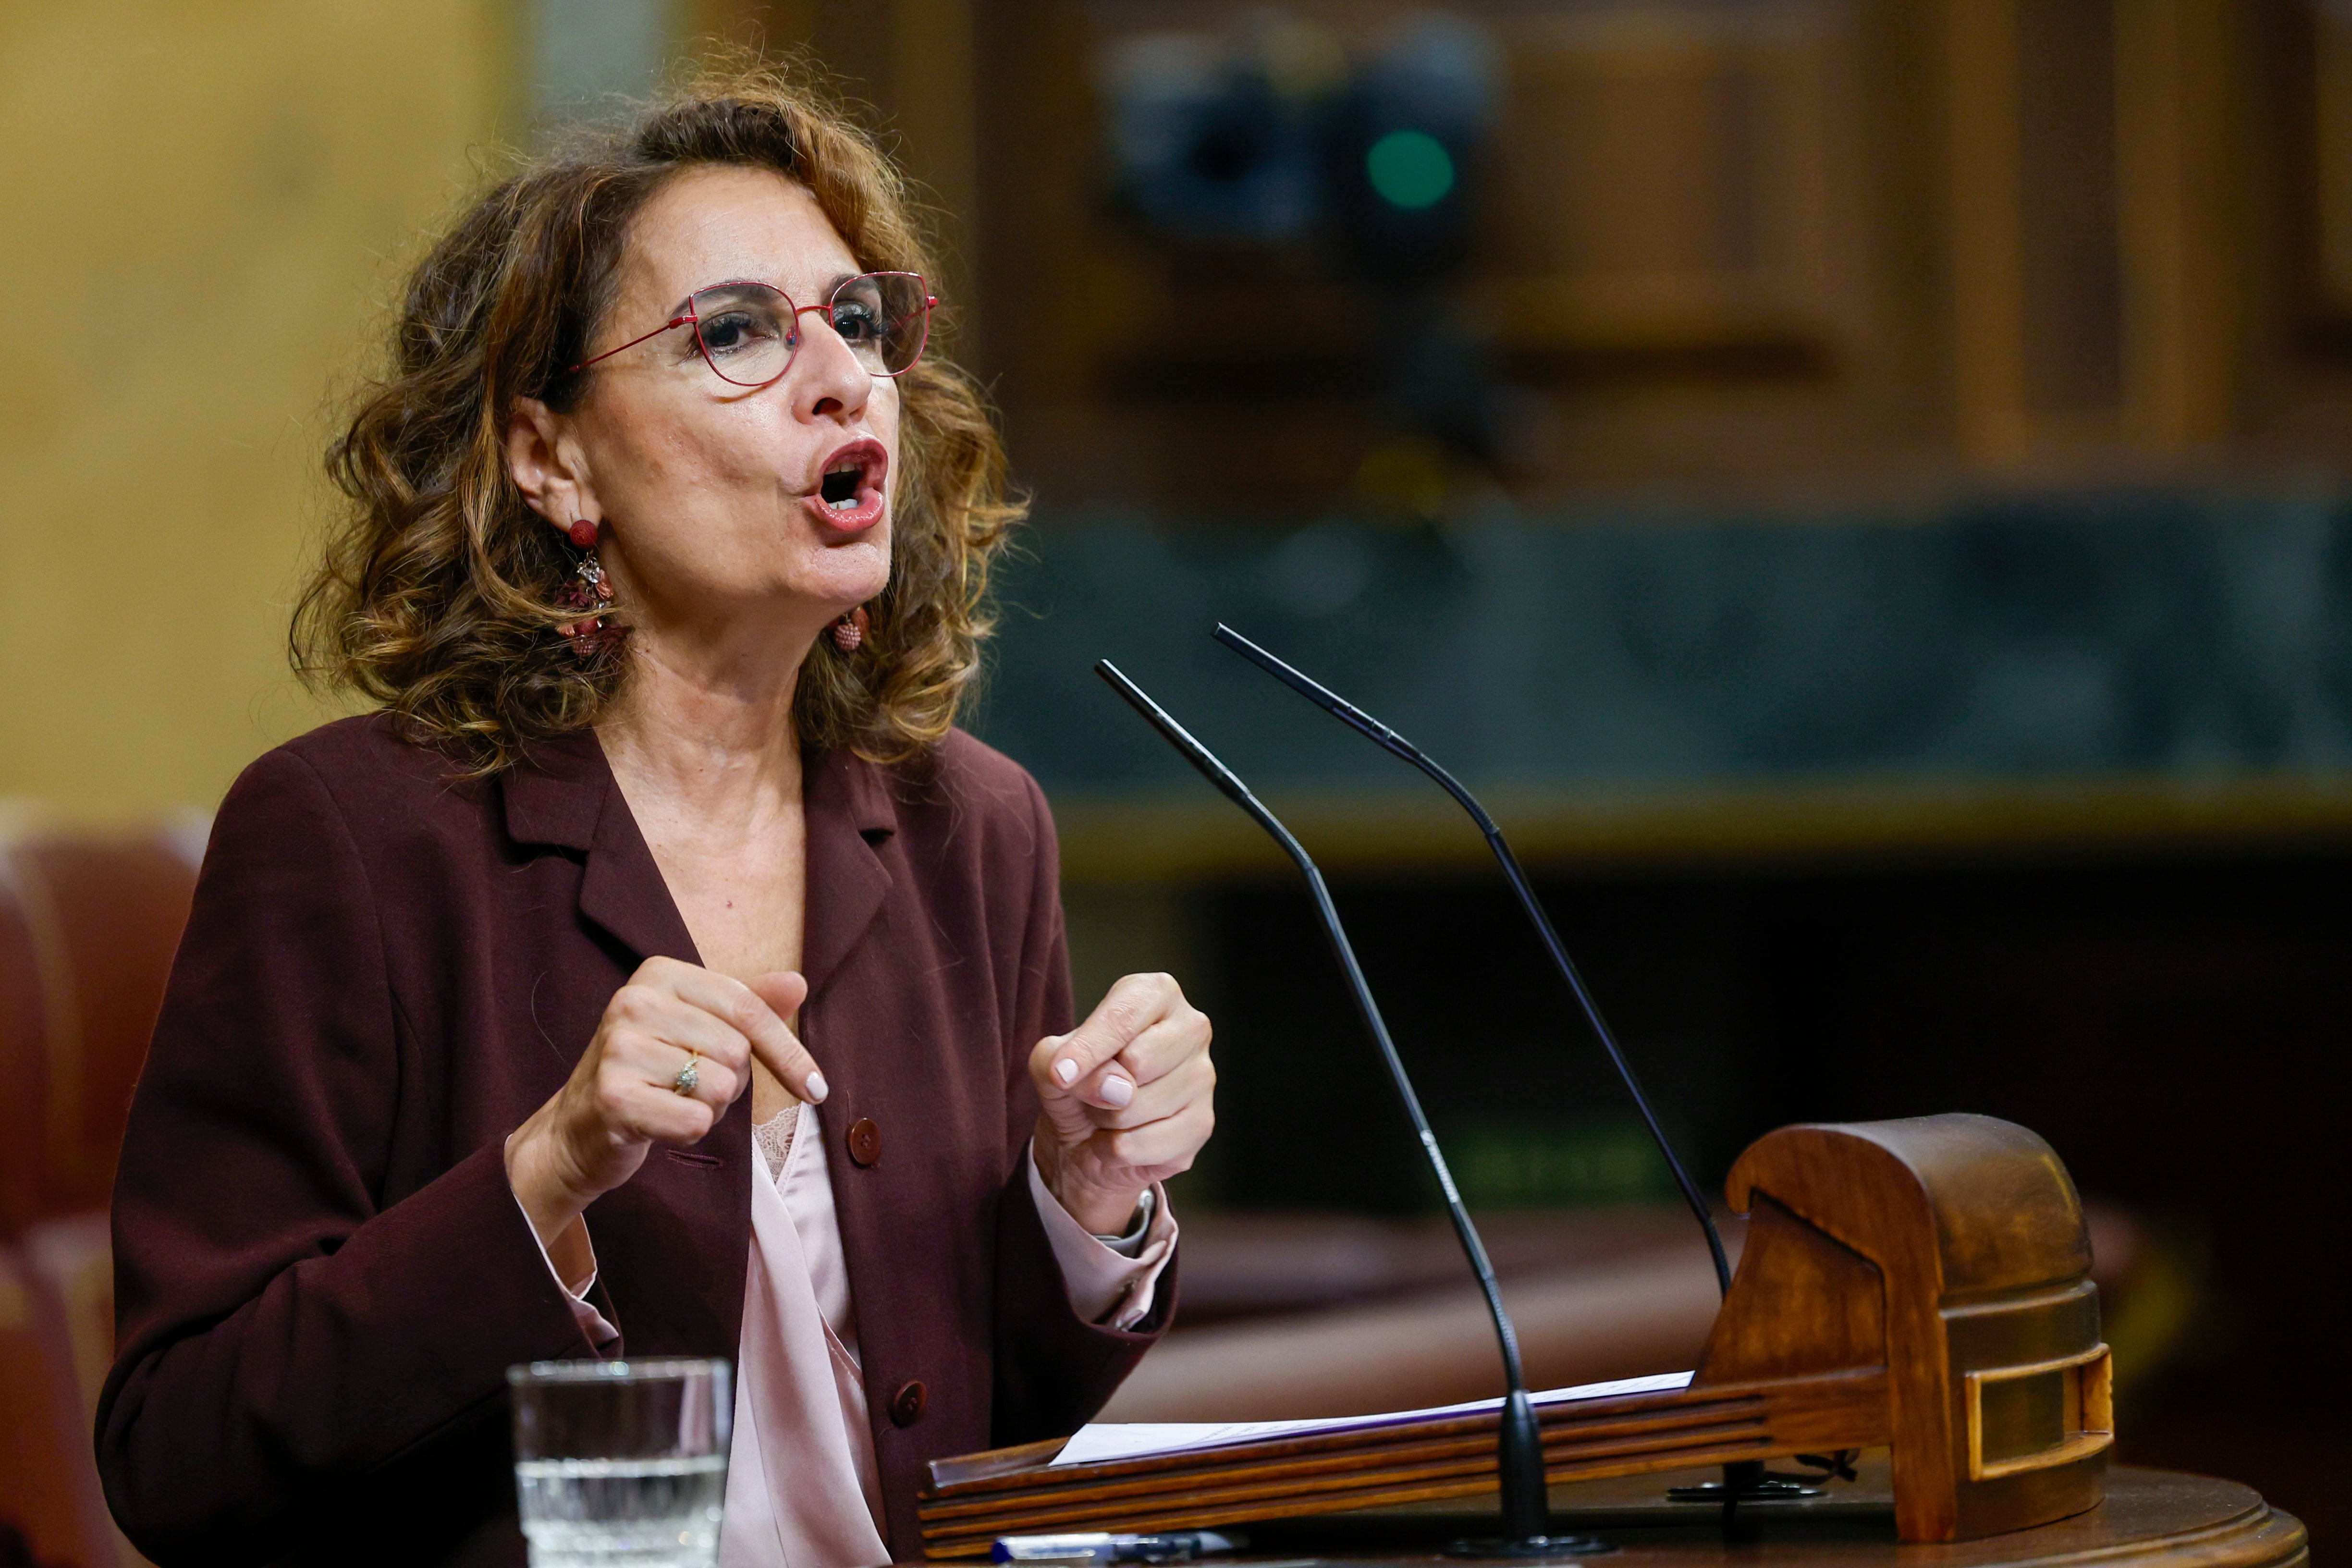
622, 1097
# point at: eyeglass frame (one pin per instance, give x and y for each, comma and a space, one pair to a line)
702, 350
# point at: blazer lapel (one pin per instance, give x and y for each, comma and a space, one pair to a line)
565, 794
622, 888
674, 1237
848, 813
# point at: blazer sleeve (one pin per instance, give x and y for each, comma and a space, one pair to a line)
1053, 1369
284, 1331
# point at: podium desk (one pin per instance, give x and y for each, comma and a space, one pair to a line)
2151, 1518
1915, 1290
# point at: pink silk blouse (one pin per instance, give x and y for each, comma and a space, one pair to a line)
803, 1487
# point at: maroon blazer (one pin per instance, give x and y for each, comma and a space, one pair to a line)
322, 1275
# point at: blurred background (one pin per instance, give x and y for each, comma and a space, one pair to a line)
1865, 487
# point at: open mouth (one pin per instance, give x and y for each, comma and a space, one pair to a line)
848, 477
849, 496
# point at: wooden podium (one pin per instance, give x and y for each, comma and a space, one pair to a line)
1920, 1286
2149, 1519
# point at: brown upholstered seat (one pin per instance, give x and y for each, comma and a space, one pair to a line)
89, 924
88, 928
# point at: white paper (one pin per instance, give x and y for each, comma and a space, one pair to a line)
1104, 1440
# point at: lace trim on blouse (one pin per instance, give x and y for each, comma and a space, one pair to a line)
774, 1137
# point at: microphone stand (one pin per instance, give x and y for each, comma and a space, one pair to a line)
1743, 1479
1519, 1463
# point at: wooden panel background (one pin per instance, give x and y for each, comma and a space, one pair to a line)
1866, 243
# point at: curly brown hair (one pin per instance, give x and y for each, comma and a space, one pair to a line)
437, 591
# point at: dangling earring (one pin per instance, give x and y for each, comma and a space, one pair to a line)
850, 630
588, 590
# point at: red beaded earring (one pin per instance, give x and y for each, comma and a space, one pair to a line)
589, 590
850, 630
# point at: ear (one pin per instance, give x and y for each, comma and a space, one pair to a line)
548, 464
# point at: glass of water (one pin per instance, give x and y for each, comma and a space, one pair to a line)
621, 1464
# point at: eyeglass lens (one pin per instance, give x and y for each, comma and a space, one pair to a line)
749, 332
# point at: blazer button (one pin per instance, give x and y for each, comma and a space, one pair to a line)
907, 1404
865, 1149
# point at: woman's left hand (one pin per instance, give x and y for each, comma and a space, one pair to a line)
1129, 1098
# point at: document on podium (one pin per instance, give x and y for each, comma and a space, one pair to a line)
1101, 1441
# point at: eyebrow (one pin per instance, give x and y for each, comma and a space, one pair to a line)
829, 289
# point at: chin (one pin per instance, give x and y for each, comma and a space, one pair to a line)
857, 570
864, 565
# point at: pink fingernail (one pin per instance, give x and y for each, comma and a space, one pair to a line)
1117, 1090
1066, 1070
816, 1090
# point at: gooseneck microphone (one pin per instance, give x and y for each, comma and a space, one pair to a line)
1743, 1479
1527, 1515
1388, 739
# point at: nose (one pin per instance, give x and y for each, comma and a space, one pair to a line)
827, 381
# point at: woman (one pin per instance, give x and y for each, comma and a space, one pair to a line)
657, 971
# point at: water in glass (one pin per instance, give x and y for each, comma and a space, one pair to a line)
644, 1513
621, 1464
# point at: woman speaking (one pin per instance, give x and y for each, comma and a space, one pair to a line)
657, 970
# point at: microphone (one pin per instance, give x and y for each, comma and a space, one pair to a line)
1527, 1514
1388, 739
1743, 1479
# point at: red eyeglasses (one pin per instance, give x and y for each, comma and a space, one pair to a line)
748, 332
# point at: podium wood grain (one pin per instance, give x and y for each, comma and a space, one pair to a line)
2150, 1519
1922, 1284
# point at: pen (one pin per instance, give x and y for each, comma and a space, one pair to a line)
1099, 1546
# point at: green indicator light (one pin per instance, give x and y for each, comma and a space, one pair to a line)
1410, 169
